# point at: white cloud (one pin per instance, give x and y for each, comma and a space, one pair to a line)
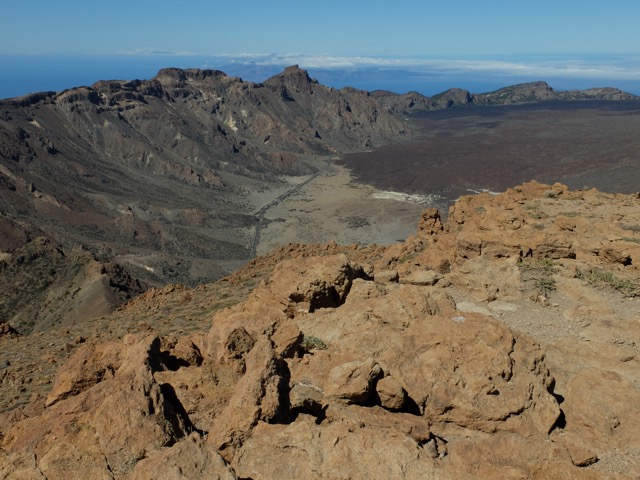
615, 66
623, 67
154, 51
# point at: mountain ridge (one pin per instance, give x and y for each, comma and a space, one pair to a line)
212, 126
523, 93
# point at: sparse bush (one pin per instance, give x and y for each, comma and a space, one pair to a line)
537, 214
408, 257
540, 272
309, 342
550, 194
628, 288
545, 285
569, 214
545, 264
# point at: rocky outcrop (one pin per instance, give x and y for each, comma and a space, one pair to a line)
491, 239
331, 368
103, 417
391, 365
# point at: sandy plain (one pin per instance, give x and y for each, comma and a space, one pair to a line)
332, 207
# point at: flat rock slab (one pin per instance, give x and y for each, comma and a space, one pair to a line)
470, 307
424, 277
499, 306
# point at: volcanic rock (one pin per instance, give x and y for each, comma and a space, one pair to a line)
188, 459
6, 330
326, 369
392, 394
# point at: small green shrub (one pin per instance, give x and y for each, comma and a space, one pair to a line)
545, 264
408, 257
633, 228
309, 342
540, 272
545, 285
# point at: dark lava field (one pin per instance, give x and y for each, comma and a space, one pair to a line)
582, 144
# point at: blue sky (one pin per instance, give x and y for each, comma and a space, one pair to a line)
418, 45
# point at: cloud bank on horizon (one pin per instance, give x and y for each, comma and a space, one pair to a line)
624, 67
596, 66
431, 75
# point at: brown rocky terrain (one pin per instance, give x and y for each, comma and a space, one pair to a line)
501, 344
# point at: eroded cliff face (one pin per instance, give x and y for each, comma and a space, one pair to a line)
502, 344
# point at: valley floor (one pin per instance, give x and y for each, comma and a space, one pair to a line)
331, 206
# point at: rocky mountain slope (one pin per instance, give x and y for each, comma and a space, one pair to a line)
502, 344
165, 176
531, 92
116, 162
44, 287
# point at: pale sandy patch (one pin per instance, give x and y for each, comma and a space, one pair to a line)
407, 197
333, 208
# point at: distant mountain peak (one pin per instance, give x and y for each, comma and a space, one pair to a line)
292, 78
534, 84
174, 75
